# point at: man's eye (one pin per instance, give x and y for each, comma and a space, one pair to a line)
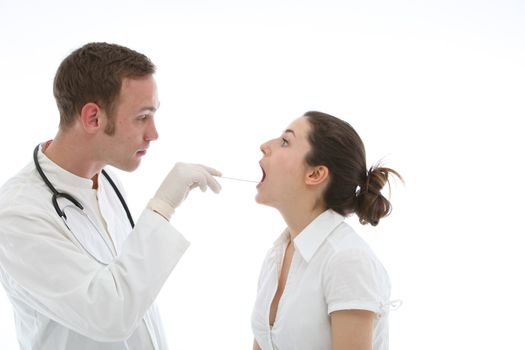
284, 142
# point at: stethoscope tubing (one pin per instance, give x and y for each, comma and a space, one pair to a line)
69, 197
56, 195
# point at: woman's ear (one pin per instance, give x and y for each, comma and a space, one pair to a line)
90, 117
317, 175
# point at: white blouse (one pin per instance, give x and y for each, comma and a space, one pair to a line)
332, 269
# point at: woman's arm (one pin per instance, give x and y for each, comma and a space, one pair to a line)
352, 329
255, 345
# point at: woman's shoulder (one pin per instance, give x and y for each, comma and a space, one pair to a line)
345, 238
346, 246
351, 255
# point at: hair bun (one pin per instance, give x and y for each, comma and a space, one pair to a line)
371, 204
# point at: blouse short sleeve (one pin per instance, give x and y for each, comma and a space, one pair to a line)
355, 279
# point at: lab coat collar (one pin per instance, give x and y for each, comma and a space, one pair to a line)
310, 239
59, 176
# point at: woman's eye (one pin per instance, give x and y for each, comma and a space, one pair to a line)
284, 142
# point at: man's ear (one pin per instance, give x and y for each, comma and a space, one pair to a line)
90, 117
317, 175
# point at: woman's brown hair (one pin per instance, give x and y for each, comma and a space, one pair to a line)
352, 187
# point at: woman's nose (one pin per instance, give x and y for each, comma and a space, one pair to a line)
265, 148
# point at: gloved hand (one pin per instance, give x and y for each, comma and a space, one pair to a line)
180, 181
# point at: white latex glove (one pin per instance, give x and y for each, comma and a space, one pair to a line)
178, 183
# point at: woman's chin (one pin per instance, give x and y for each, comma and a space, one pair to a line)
260, 199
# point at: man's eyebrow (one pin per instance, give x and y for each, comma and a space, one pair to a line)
148, 109
290, 131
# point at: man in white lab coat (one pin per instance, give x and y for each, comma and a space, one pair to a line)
79, 272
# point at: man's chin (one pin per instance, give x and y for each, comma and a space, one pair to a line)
130, 167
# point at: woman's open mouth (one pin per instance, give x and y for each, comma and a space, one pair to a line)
263, 174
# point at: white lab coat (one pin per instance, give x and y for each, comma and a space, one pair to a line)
63, 298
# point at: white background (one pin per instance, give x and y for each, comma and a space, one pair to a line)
436, 88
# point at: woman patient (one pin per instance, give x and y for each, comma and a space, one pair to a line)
321, 286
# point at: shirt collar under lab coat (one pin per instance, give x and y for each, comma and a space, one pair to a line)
57, 175
312, 236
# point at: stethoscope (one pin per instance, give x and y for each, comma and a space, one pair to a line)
76, 211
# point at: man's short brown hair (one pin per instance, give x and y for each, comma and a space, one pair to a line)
94, 73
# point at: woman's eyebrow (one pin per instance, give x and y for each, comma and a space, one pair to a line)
289, 131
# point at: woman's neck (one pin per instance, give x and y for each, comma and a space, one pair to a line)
298, 219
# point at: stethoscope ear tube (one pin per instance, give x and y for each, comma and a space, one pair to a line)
41, 172
56, 194
119, 195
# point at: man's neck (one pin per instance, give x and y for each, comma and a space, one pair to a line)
74, 155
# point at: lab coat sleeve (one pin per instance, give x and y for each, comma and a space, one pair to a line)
49, 273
